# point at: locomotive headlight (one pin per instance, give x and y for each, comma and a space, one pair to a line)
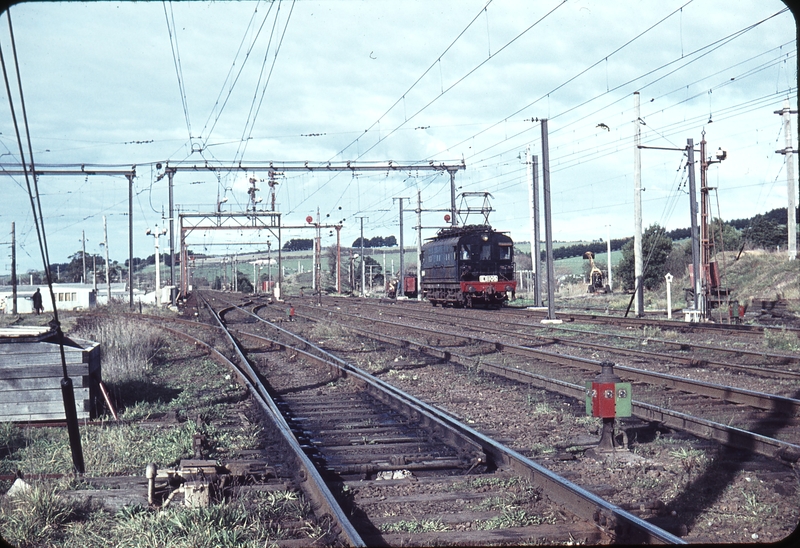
485, 237
470, 289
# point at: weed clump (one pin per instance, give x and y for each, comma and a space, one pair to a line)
40, 517
128, 348
782, 340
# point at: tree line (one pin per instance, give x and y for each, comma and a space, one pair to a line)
763, 231
306, 244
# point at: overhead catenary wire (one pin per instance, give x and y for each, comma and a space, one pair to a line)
207, 136
36, 208
465, 76
417, 81
696, 55
253, 116
176, 59
574, 77
444, 91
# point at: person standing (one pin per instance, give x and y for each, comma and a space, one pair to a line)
37, 302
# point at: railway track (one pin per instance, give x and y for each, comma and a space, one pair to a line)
769, 415
683, 327
284, 451
693, 354
452, 378
361, 431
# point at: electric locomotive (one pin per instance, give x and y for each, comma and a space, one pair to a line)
468, 265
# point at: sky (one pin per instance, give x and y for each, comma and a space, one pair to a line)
227, 84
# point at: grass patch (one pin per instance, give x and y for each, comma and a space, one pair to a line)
38, 517
781, 340
109, 449
252, 519
414, 526
128, 348
327, 331
513, 517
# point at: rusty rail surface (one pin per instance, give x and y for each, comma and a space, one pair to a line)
608, 517
734, 437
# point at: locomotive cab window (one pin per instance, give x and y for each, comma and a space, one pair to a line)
486, 252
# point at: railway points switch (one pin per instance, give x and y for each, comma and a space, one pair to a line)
608, 397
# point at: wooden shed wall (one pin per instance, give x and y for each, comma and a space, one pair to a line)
30, 381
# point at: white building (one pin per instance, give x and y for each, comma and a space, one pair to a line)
68, 297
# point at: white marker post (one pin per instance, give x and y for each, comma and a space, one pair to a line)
668, 277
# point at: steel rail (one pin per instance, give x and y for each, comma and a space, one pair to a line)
760, 400
678, 344
682, 345
313, 483
702, 428
669, 324
608, 517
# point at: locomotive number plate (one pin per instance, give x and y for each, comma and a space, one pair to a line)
486, 279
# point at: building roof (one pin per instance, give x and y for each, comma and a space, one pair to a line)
25, 333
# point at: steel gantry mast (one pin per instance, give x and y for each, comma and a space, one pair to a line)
274, 168
84, 171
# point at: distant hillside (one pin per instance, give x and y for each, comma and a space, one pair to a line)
761, 275
567, 250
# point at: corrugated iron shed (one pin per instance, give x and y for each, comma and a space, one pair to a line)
31, 373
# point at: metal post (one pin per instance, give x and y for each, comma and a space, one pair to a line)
13, 269
184, 261
695, 236
533, 195
269, 269
158, 271
791, 189
453, 220
279, 288
318, 251
108, 264
551, 282
637, 210
401, 275
338, 259
173, 295
668, 278
537, 237
363, 275
419, 245
705, 241
608, 248
130, 240
83, 254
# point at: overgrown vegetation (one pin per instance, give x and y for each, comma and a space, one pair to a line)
188, 393
656, 246
128, 348
780, 339
40, 517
